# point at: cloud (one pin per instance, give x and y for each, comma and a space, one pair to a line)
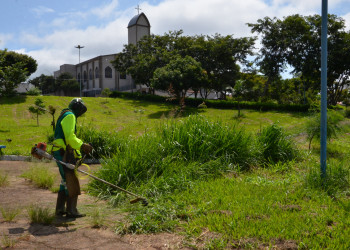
107, 10
5, 39
41, 10
59, 47
347, 20
195, 17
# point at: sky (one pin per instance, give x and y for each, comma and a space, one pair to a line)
49, 30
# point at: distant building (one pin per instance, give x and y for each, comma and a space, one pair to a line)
98, 73
24, 87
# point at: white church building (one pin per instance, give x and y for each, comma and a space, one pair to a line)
98, 73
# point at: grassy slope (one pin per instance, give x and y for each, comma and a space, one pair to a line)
114, 115
261, 208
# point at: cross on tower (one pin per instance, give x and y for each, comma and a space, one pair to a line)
138, 9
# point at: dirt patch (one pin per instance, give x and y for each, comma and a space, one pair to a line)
65, 234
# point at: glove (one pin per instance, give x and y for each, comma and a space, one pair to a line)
86, 148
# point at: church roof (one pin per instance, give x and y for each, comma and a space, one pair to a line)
135, 19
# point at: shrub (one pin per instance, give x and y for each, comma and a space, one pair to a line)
106, 92
34, 92
221, 104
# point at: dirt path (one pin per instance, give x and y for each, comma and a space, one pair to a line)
78, 234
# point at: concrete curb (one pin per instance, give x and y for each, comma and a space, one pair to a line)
15, 158
29, 158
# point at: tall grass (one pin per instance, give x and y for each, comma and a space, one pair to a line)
313, 126
337, 178
7, 241
105, 144
275, 145
41, 176
9, 214
40, 215
3, 179
182, 152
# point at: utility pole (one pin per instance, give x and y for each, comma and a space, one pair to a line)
324, 31
79, 47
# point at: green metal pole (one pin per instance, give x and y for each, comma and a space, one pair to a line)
324, 87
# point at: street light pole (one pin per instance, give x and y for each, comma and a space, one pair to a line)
324, 49
79, 47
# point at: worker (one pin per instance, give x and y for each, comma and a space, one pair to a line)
66, 148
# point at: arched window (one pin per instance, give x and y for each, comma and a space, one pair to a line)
97, 73
108, 72
85, 76
78, 77
90, 74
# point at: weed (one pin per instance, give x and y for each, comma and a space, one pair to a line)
3, 179
337, 178
161, 217
7, 241
9, 214
275, 145
105, 144
41, 176
139, 113
55, 189
313, 126
40, 215
97, 218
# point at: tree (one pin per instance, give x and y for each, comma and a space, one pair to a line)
27, 62
296, 41
38, 109
52, 111
45, 83
219, 57
67, 83
178, 76
11, 75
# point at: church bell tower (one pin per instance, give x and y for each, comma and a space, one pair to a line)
138, 27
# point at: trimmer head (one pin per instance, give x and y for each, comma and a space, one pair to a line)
143, 200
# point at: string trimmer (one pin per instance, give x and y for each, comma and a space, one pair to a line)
39, 152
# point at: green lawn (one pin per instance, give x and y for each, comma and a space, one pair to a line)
280, 205
127, 117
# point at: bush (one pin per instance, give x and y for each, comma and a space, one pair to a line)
34, 92
221, 104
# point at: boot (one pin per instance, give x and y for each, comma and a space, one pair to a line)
72, 211
61, 203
